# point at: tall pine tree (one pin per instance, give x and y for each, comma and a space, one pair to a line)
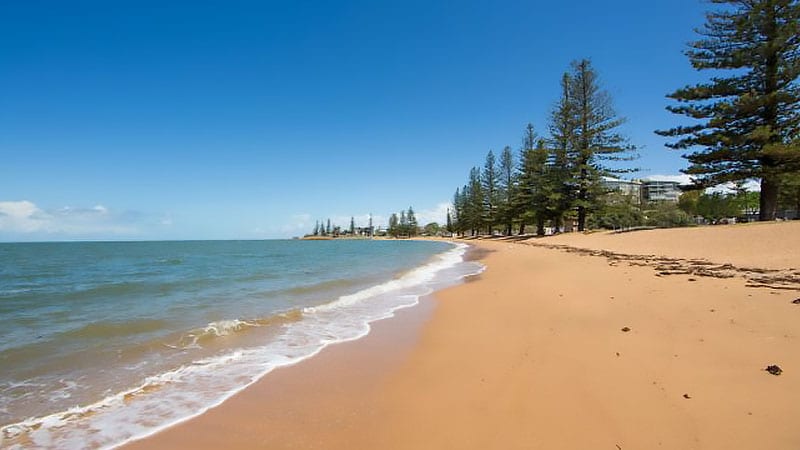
596, 142
534, 181
506, 189
458, 212
449, 226
562, 174
489, 180
474, 202
527, 178
403, 226
748, 121
394, 224
412, 222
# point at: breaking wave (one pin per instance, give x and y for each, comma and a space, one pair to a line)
177, 395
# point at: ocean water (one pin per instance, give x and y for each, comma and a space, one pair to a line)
102, 343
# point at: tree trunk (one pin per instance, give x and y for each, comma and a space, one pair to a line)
509, 228
582, 196
797, 204
522, 228
581, 218
768, 200
540, 227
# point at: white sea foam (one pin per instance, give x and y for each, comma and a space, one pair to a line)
225, 327
64, 391
219, 328
177, 395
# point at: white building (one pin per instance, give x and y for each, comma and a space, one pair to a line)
645, 190
661, 191
632, 188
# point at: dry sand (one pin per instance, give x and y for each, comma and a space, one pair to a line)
765, 245
532, 355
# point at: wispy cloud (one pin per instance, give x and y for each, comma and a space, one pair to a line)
25, 220
727, 188
436, 214
297, 224
682, 178
22, 217
294, 225
750, 185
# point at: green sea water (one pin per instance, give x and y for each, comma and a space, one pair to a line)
105, 342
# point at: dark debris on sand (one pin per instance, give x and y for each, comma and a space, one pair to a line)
756, 277
774, 369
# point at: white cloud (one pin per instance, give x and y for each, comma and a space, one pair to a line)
295, 225
298, 223
22, 216
726, 188
682, 179
436, 214
24, 219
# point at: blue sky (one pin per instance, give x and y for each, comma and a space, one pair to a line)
220, 120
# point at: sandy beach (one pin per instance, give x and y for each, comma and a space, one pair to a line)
643, 340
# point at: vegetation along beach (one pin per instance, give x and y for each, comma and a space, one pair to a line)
258, 225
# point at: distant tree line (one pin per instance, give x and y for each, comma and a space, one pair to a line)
320, 229
552, 178
324, 229
404, 225
401, 225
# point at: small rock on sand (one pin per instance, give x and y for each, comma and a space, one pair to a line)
774, 369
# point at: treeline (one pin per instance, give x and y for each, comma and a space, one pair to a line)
326, 230
744, 125
404, 225
553, 178
693, 207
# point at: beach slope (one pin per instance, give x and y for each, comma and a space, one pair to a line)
652, 339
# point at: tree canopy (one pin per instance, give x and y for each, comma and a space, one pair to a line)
554, 177
745, 119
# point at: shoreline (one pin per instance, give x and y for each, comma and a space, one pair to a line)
414, 284
536, 347
182, 393
273, 411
